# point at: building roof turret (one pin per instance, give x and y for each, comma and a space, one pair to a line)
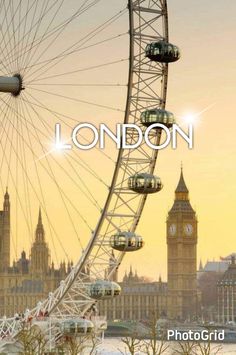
181, 187
181, 203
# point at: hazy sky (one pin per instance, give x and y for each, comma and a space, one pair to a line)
205, 75
204, 78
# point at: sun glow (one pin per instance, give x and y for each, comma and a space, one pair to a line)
194, 118
190, 118
58, 147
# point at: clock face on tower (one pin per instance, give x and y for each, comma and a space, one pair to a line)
172, 229
188, 229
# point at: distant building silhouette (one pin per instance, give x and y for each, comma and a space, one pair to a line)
28, 280
5, 234
139, 298
208, 277
227, 294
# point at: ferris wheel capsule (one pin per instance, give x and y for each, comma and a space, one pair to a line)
126, 241
162, 52
76, 327
144, 183
102, 289
157, 115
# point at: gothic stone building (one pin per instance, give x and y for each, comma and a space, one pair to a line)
27, 281
182, 256
207, 278
138, 300
227, 294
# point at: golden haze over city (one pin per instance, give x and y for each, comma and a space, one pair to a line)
201, 89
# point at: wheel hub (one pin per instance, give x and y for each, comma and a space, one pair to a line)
12, 85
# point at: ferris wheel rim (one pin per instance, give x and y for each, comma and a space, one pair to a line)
126, 119
84, 257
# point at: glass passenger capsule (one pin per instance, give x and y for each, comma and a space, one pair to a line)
73, 327
162, 52
103, 289
126, 241
145, 183
157, 115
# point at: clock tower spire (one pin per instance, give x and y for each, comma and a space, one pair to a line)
182, 255
181, 191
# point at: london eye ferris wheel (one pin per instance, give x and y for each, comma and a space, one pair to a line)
68, 62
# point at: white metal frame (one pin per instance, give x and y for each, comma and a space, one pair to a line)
147, 89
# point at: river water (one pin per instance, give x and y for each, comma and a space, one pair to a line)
114, 346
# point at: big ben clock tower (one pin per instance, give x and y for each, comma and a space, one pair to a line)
182, 256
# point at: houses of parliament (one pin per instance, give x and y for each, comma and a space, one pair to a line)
27, 281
